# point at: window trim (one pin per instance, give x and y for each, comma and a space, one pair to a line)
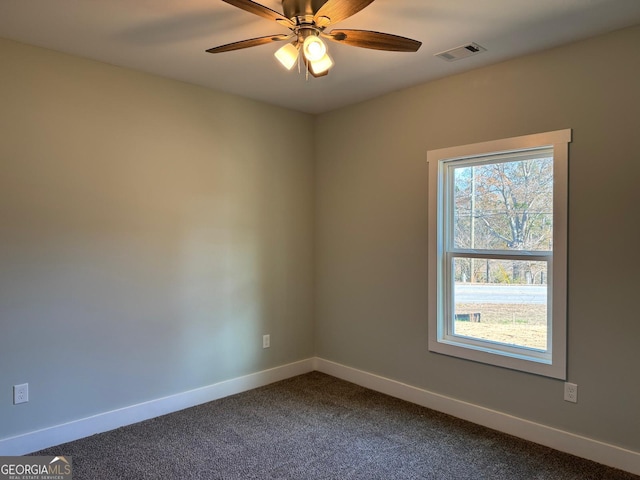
555, 366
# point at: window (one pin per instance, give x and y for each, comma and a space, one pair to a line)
497, 252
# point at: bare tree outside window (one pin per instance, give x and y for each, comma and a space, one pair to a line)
504, 206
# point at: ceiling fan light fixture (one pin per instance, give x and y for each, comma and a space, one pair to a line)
287, 55
314, 48
322, 65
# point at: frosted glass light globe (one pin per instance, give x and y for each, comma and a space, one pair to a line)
314, 48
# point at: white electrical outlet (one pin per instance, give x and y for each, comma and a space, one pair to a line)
266, 341
571, 392
20, 393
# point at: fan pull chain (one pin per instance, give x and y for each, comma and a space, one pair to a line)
306, 69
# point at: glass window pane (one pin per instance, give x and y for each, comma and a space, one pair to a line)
504, 205
505, 303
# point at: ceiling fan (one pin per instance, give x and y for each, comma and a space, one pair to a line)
307, 20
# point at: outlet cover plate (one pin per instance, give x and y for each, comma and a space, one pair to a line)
571, 392
20, 393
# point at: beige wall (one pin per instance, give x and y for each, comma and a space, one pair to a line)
371, 238
150, 233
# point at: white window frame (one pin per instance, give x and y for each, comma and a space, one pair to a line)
551, 363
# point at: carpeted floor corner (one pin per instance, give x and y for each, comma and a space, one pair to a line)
313, 427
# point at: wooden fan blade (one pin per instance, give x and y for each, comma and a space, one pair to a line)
253, 42
374, 40
337, 10
261, 11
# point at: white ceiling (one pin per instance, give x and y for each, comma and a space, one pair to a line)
169, 38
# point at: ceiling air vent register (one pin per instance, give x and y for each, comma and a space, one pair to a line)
464, 51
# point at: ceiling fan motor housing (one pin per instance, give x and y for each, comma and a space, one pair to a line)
301, 8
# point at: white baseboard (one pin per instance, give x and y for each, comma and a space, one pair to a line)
597, 451
590, 449
48, 437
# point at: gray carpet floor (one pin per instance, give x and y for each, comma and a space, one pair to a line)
317, 427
